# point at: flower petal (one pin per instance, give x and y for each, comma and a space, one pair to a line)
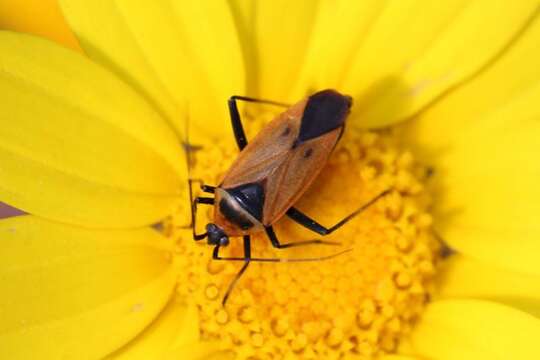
39, 17
338, 29
514, 73
76, 144
463, 277
173, 52
199, 351
398, 357
174, 332
415, 51
275, 36
173, 335
489, 201
478, 330
70, 293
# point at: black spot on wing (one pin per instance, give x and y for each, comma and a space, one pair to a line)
287, 131
324, 112
250, 197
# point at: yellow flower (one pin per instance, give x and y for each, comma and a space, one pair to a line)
90, 148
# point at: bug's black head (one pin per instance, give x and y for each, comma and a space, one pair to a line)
216, 235
325, 111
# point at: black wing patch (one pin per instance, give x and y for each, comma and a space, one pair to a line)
324, 112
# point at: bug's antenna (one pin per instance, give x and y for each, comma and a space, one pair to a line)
283, 260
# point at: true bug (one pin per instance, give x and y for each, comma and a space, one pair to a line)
272, 172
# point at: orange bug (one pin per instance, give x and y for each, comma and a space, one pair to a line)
272, 172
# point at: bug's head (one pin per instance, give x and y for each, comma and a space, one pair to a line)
216, 235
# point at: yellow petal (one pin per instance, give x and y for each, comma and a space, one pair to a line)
76, 144
39, 17
175, 333
489, 199
514, 73
398, 357
463, 277
416, 50
476, 330
177, 53
275, 36
70, 293
338, 30
199, 351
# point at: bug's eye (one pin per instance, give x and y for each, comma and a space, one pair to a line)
216, 235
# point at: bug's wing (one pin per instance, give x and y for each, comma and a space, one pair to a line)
267, 151
283, 168
297, 170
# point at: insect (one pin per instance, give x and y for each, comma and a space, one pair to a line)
271, 173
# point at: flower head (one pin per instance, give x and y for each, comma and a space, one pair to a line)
446, 108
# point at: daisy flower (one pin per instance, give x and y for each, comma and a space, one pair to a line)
97, 257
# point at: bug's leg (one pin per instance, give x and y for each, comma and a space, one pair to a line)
275, 242
236, 121
197, 201
311, 224
246, 258
208, 188
205, 188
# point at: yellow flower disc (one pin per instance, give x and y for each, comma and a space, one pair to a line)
359, 303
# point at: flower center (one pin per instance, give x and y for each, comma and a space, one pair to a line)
361, 302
